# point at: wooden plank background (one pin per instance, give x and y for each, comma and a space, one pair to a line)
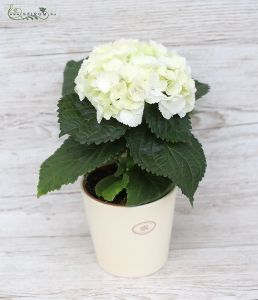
45, 248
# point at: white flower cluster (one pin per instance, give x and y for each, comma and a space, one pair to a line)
119, 77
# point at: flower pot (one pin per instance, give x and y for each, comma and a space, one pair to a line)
130, 241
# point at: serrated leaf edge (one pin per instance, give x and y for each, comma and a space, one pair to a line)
165, 139
191, 198
75, 137
57, 189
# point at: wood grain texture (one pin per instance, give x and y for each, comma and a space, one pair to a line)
45, 246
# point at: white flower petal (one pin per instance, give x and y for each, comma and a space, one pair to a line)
131, 118
79, 92
105, 81
171, 106
99, 116
113, 65
155, 96
128, 72
136, 93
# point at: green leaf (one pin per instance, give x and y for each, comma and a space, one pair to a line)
121, 167
201, 89
70, 72
175, 129
110, 186
145, 187
125, 179
72, 160
78, 119
183, 163
124, 164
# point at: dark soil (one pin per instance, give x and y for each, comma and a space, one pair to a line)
94, 177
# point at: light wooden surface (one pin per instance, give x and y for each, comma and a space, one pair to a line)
45, 248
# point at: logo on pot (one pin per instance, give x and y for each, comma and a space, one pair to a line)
144, 227
17, 13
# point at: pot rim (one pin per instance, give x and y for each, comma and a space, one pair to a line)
110, 204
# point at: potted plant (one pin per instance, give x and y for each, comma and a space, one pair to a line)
126, 111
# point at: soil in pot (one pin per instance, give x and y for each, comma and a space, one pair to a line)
94, 177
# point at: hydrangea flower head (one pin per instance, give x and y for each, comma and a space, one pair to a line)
118, 78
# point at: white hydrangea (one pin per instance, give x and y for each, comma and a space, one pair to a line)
119, 77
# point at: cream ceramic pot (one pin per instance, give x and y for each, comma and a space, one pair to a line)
130, 241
